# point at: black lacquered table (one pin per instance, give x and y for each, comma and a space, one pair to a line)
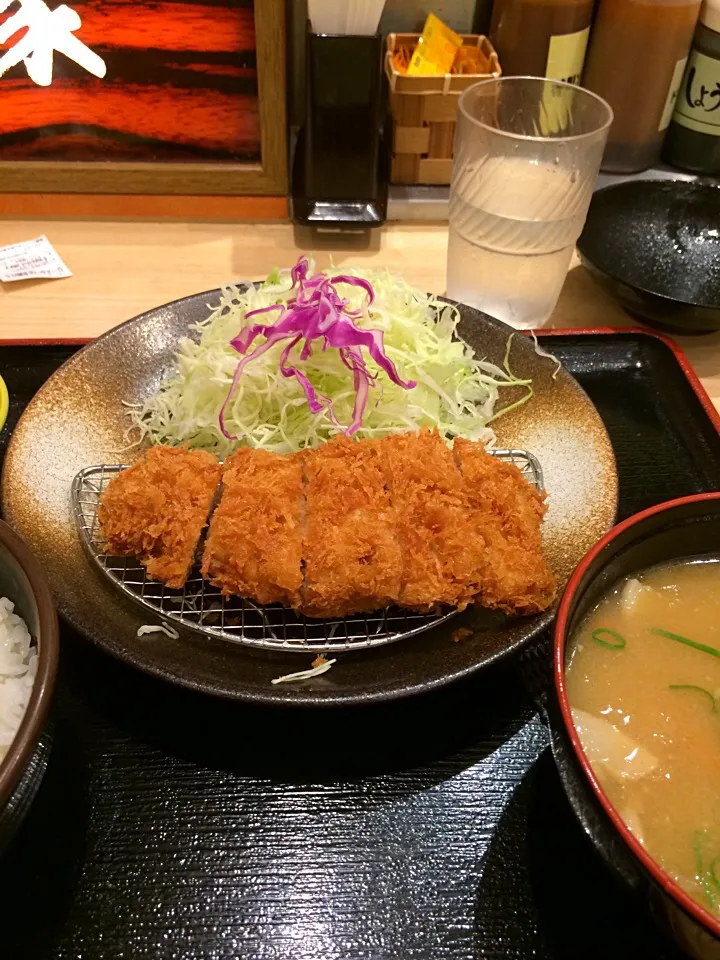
170, 825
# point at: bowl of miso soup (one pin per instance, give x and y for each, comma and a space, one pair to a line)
636, 722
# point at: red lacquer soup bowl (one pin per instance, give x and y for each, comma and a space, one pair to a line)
671, 531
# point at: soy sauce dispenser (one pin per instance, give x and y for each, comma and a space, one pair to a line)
693, 140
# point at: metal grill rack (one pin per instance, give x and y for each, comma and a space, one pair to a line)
202, 608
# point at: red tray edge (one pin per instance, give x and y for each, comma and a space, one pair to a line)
679, 353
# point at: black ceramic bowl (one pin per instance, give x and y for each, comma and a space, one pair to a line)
670, 531
21, 770
655, 245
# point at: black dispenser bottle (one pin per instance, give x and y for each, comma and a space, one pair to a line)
341, 159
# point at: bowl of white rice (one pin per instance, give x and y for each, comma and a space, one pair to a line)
28, 667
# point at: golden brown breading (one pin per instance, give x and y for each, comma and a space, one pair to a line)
351, 527
157, 508
508, 513
442, 554
352, 560
254, 545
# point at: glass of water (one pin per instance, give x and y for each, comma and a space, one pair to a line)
527, 153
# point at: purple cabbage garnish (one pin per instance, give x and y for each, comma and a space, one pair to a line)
317, 312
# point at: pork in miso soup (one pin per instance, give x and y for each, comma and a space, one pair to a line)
643, 683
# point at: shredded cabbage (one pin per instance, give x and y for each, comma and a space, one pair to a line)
158, 628
316, 670
456, 392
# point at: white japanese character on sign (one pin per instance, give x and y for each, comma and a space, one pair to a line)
47, 30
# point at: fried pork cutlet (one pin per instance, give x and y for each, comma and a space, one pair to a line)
254, 546
349, 528
508, 513
443, 556
353, 562
157, 508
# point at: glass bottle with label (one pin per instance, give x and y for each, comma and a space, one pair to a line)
693, 140
637, 56
542, 38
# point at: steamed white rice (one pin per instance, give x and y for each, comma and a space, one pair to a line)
18, 666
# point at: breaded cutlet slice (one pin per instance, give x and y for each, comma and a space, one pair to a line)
442, 556
254, 546
353, 561
157, 508
508, 513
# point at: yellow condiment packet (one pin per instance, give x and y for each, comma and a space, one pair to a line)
436, 49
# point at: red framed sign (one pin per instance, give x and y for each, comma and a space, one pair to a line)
142, 96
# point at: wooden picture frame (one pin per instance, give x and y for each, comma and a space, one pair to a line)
269, 177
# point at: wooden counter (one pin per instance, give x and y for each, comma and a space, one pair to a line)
122, 268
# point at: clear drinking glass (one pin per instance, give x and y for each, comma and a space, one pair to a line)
527, 153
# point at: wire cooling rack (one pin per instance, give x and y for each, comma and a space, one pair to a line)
201, 607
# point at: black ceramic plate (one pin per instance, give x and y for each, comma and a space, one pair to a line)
77, 419
655, 245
